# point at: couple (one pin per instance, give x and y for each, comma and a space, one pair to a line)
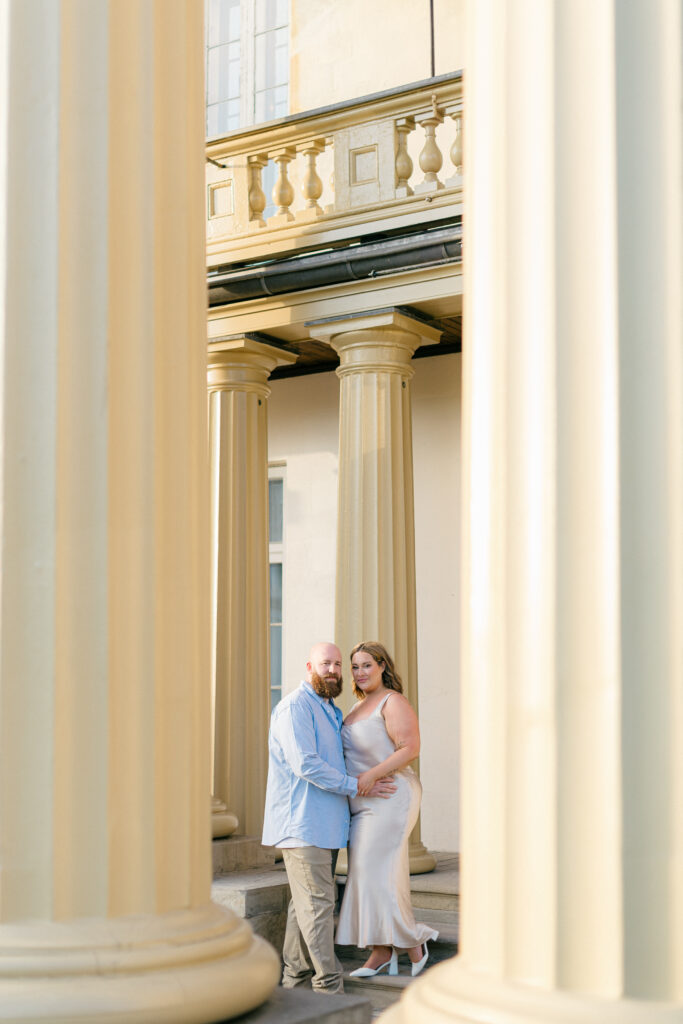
316, 766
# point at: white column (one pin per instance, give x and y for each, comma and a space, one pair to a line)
238, 439
572, 883
375, 598
105, 868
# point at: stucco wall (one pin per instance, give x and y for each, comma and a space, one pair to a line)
303, 433
346, 48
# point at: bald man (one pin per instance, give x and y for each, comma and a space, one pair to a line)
307, 815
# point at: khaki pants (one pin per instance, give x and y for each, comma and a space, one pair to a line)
309, 939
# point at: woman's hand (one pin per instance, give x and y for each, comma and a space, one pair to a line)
371, 783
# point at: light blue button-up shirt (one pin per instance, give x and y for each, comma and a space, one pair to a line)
306, 795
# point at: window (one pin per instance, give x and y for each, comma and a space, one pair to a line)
275, 538
271, 64
247, 63
223, 66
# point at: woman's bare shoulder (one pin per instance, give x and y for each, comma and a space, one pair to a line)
396, 701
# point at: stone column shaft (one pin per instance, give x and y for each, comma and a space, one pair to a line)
238, 432
375, 598
105, 905
572, 882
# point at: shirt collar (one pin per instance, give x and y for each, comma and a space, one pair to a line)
327, 702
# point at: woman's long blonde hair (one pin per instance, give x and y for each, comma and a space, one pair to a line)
390, 677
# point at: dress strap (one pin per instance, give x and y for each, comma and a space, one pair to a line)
381, 704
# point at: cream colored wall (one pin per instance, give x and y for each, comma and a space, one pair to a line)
346, 48
303, 432
436, 459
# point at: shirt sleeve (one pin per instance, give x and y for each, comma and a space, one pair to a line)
300, 748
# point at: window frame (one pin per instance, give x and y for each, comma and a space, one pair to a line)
277, 471
247, 77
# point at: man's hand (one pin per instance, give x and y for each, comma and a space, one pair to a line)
383, 788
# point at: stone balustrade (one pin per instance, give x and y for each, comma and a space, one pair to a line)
317, 178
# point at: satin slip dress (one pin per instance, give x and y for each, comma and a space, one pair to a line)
376, 909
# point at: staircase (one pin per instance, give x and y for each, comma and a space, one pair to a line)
249, 880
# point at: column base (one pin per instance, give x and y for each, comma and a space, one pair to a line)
223, 821
184, 967
421, 860
452, 994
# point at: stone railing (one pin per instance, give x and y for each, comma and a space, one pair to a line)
388, 161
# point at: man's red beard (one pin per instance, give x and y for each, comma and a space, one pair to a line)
326, 686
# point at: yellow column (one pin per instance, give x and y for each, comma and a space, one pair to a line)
375, 598
105, 872
572, 883
238, 439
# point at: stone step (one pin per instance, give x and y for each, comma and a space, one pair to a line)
301, 1006
436, 890
240, 853
442, 948
439, 890
261, 896
435, 896
383, 990
380, 992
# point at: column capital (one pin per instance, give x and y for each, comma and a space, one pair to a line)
243, 362
380, 341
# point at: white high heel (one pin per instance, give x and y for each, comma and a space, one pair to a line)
415, 968
369, 972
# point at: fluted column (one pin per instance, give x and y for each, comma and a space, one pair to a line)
238, 439
105, 872
572, 883
375, 594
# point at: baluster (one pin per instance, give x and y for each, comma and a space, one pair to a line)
456, 148
311, 185
330, 208
257, 197
431, 159
283, 192
404, 163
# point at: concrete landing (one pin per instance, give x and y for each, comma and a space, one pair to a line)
301, 1006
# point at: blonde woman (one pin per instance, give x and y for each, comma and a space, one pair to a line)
381, 737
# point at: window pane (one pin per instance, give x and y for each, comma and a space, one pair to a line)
281, 100
275, 664
222, 75
281, 63
265, 106
271, 50
275, 489
281, 12
222, 118
276, 592
271, 14
233, 78
223, 21
261, 62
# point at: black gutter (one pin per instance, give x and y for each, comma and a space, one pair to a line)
337, 266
